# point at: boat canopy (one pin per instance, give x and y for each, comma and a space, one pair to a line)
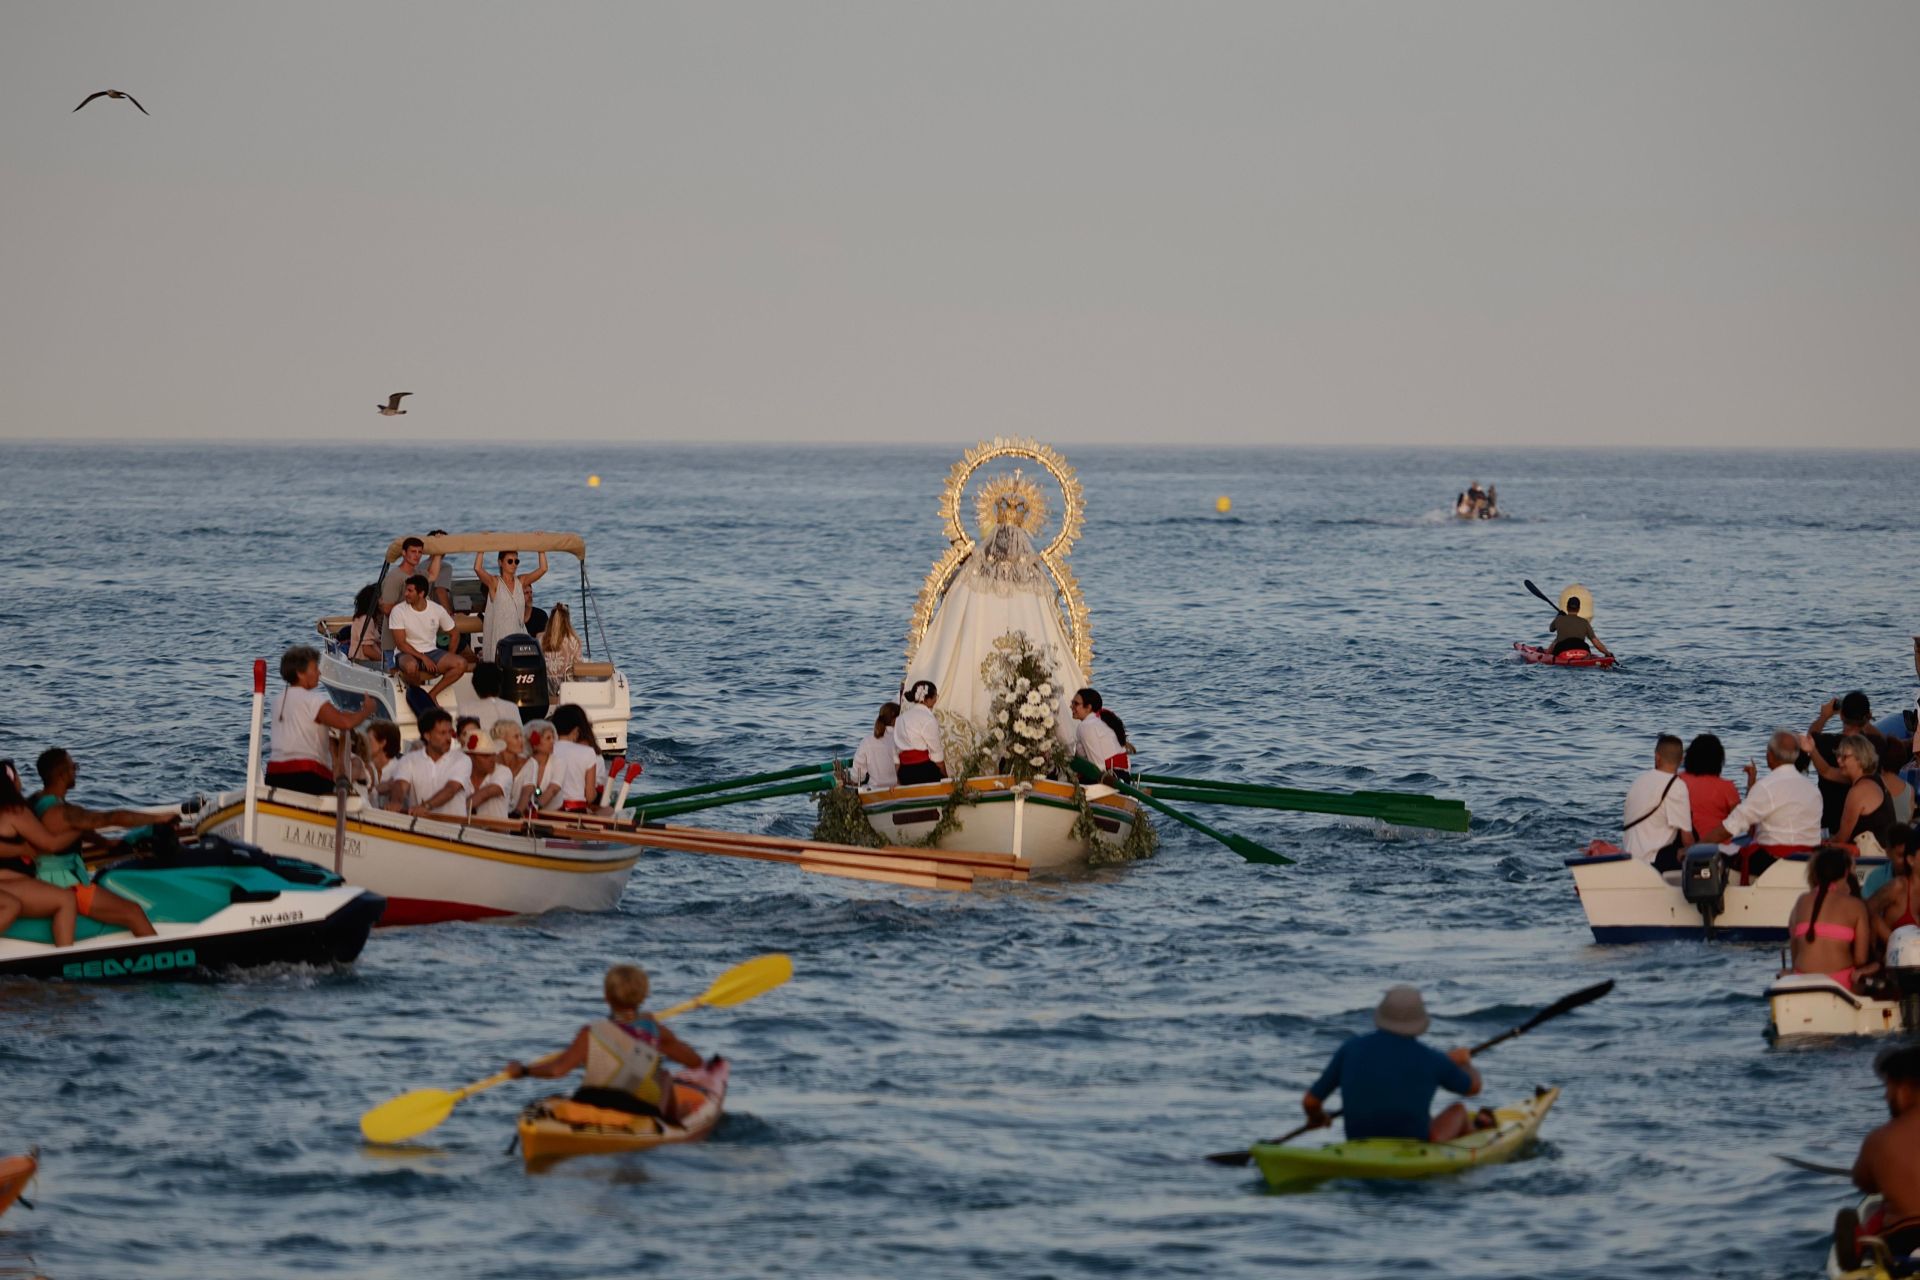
457, 543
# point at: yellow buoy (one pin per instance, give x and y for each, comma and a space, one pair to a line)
593, 482
1223, 504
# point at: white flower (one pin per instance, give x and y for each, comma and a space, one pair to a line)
1038, 761
1023, 684
1046, 690
1033, 699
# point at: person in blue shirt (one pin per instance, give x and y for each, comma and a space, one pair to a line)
1388, 1078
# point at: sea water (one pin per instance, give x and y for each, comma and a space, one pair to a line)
1020, 1080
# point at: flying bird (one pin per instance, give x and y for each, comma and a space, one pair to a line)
392, 406
113, 93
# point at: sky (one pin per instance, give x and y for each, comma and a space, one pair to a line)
1342, 223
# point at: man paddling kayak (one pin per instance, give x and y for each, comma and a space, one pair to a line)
1889, 1161
624, 1053
1571, 630
1388, 1078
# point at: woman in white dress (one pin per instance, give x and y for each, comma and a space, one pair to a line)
509, 598
873, 759
916, 737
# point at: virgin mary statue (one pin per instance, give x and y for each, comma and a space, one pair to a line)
1002, 585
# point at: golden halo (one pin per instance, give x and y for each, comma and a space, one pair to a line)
1014, 495
1073, 499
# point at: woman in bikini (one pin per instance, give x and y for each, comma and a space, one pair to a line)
23, 838
1829, 931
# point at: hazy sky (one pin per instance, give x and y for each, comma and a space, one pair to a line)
1444, 223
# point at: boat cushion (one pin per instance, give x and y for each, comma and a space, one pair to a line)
188, 895
41, 931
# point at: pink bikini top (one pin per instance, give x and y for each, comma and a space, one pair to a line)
1829, 932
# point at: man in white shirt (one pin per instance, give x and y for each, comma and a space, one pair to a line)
1782, 809
417, 623
1658, 814
439, 777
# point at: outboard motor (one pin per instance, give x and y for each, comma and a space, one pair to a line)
1703, 882
1902, 971
524, 674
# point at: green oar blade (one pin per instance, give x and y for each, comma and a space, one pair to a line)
408, 1115
1239, 844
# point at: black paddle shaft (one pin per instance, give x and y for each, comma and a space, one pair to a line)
1543, 595
1565, 1004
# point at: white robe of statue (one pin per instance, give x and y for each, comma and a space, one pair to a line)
1004, 586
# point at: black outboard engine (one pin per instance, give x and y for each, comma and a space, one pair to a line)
1703, 882
523, 674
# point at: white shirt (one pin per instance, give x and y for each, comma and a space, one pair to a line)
501, 777
575, 769
1781, 808
1670, 816
917, 730
875, 762
421, 627
426, 776
490, 711
1096, 740
526, 779
297, 734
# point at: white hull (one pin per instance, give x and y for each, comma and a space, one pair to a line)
1626, 900
606, 701
1045, 818
434, 869
1812, 1004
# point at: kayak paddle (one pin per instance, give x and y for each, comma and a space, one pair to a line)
1239, 844
1528, 583
412, 1114
1565, 1004
1833, 1169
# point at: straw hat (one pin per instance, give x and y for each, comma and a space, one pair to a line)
476, 743
1577, 592
1402, 1012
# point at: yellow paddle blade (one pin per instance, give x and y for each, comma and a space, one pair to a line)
398, 1119
741, 983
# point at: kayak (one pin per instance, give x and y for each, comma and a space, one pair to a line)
15, 1173
1514, 1129
1868, 1254
1568, 658
215, 904
558, 1126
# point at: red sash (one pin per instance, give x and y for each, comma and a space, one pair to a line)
281, 768
915, 757
1117, 762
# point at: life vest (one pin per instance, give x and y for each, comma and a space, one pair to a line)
64, 870
625, 1058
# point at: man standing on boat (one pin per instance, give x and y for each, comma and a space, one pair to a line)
1889, 1160
1388, 1078
1659, 814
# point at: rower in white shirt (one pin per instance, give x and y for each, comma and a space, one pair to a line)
873, 759
439, 775
1782, 809
1099, 734
1658, 817
574, 776
916, 737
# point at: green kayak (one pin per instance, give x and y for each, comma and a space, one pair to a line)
1408, 1157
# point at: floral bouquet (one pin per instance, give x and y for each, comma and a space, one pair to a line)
1021, 728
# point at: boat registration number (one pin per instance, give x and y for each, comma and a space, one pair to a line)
145, 962
277, 917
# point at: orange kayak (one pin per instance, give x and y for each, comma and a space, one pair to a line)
15, 1173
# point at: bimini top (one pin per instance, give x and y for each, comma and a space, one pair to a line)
456, 543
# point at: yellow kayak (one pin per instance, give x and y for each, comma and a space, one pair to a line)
1871, 1259
15, 1173
559, 1126
1514, 1128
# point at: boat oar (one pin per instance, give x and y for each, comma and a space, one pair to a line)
1565, 1004
648, 799
1811, 1167
412, 1114
647, 809
1383, 806
1528, 583
1239, 844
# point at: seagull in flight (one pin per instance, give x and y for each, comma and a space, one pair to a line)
113, 93
392, 406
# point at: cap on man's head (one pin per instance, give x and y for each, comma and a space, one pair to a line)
1402, 1012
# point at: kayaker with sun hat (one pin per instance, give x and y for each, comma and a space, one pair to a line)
1388, 1077
1572, 627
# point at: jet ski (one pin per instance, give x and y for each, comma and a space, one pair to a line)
216, 905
